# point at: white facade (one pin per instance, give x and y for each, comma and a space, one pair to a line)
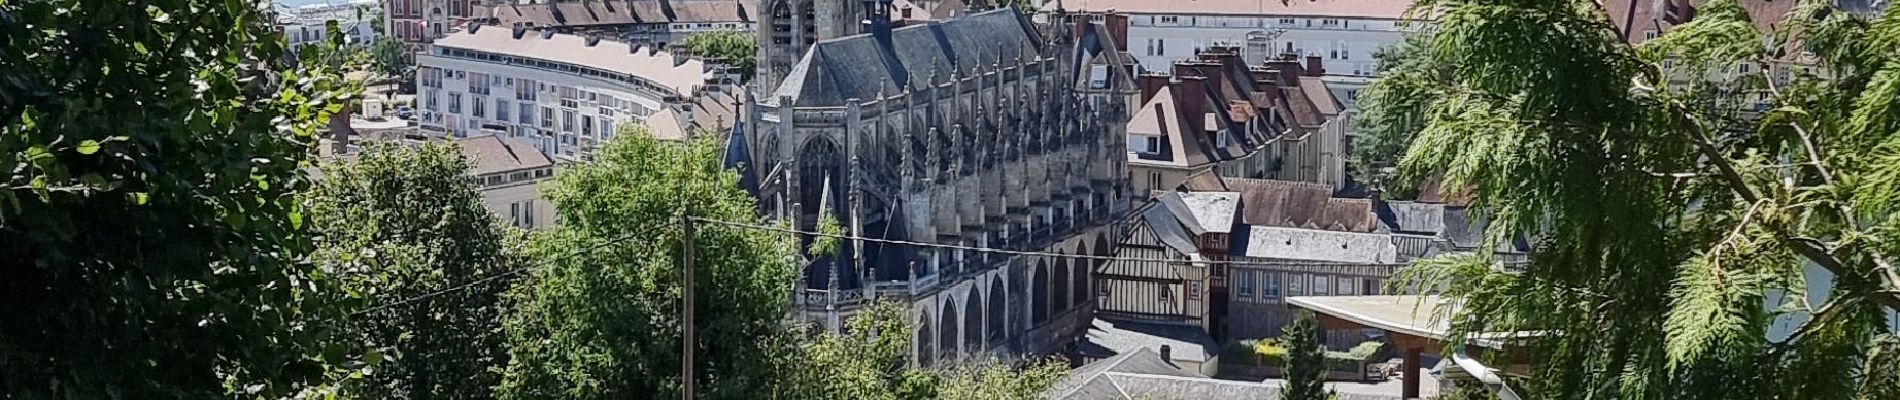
552, 90
309, 24
1345, 44
418, 22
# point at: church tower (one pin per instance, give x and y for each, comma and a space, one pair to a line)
787, 28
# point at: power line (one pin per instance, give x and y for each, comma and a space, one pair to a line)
1036, 253
516, 271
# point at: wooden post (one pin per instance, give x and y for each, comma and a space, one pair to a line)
1409, 388
686, 299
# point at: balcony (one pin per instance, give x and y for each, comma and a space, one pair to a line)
818, 299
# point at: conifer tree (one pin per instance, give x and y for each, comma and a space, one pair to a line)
1305, 362
1678, 192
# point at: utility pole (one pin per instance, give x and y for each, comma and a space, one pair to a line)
686, 310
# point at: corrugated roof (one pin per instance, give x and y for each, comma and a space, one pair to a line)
491, 154
1380, 9
683, 78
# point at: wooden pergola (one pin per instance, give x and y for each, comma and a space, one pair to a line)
1409, 326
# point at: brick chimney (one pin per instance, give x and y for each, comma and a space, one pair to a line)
1314, 67
1190, 97
1150, 84
1117, 24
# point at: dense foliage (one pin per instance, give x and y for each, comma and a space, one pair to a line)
1668, 207
1384, 132
599, 316
736, 48
391, 57
149, 221
1304, 365
396, 226
870, 360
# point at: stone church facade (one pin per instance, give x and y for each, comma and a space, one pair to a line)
986, 131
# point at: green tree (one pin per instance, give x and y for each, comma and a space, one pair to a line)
736, 48
599, 317
870, 360
1305, 361
390, 56
150, 226
1668, 208
398, 225
1385, 131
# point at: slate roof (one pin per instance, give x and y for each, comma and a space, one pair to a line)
738, 157
611, 12
1112, 337
859, 66
1168, 224
492, 154
1213, 211
1096, 380
1315, 245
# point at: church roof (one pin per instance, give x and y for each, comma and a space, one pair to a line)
738, 157
860, 66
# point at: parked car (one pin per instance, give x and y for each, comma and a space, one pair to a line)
404, 112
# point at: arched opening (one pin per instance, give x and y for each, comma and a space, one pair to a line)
1059, 295
999, 314
973, 320
820, 192
926, 349
1079, 277
1039, 293
947, 344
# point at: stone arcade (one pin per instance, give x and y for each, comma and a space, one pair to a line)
983, 131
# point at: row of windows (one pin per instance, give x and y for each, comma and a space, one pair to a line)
1274, 284
1265, 22
1338, 50
493, 180
636, 81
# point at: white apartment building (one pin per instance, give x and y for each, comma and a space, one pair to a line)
565, 94
510, 174
1344, 33
309, 24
